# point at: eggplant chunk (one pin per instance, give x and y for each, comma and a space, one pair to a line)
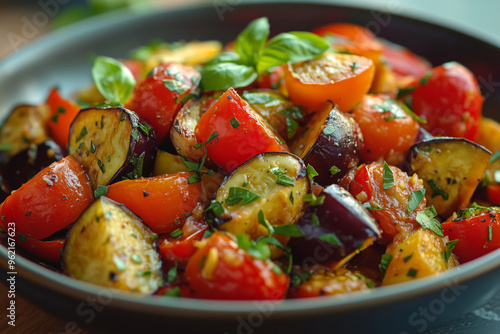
112, 144
451, 169
24, 126
260, 184
182, 132
109, 246
335, 229
331, 139
25, 164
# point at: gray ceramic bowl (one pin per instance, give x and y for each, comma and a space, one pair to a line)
61, 59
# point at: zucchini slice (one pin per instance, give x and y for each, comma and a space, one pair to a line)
451, 169
112, 144
272, 182
109, 246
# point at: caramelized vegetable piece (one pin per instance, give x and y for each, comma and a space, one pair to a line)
27, 163
161, 201
221, 270
329, 283
388, 132
182, 133
489, 134
24, 126
334, 228
422, 254
340, 78
331, 144
160, 96
389, 206
111, 247
477, 232
451, 169
273, 183
50, 201
234, 132
62, 112
112, 144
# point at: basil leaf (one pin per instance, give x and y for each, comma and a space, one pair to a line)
290, 47
330, 238
258, 98
311, 172
437, 190
414, 201
282, 178
264, 222
252, 39
225, 75
290, 230
113, 79
100, 191
388, 177
225, 57
426, 219
384, 263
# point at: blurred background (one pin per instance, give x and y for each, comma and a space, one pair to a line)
22, 21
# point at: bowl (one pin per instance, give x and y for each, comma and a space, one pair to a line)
62, 59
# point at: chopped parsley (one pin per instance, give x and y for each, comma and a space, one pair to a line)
100, 191
313, 200
450, 245
490, 233
282, 178
408, 257
436, 190
176, 233
290, 230
388, 177
426, 219
82, 134
384, 263
334, 170
172, 273
101, 165
215, 207
329, 129
234, 122
240, 194
264, 222
330, 238
311, 172
412, 272
414, 201
354, 67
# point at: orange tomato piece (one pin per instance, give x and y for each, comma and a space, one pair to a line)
50, 201
63, 112
160, 201
388, 132
340, 78
236, 132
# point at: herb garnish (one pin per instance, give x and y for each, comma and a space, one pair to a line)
388, 177
414, 201
450, 245
437, 190
426, 219
384, 263
113, 79
282, 178
240, 194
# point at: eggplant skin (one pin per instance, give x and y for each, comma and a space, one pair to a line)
24, 126
451, 169
339, 214
333, 139
109, 246
275, 199
25, 164
112, 144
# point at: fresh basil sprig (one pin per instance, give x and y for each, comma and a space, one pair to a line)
113, 79
253, 55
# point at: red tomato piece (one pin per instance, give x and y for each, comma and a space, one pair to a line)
47, 250
159, 96
50, 201
63, 112
179, 249
160, 201
477, 235
221, 270
236, 131
403, 62
388, 132
450, 100
493, 193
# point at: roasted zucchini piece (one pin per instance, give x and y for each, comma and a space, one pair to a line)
272, 182
182, 132
112, 144
24, 126
451, 169
331, 140
109, 246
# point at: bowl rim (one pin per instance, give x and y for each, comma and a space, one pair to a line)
46, 278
